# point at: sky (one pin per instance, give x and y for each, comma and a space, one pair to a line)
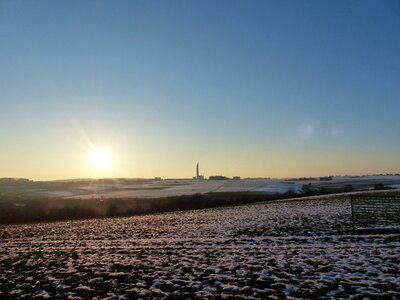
246, 88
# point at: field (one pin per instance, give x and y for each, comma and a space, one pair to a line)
282, 249
24, 201
152, 188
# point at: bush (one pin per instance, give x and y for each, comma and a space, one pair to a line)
379, 186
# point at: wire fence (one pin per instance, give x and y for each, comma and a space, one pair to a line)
370, 210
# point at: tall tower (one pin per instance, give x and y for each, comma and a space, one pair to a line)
197, 171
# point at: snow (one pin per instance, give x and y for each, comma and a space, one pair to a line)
167, 188
292, 249
157, 189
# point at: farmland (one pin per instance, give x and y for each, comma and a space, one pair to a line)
280, 249
23, 201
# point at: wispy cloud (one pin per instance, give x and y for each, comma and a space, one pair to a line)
335, 132
305, 131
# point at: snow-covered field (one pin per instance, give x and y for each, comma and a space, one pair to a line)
302, 249
131, 188
166, 188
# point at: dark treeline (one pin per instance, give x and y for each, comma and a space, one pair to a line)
40, 210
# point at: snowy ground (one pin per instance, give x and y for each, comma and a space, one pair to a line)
128, 188
166, 188
279, 250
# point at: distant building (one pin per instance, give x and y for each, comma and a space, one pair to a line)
198, 176
326, 178
218, 177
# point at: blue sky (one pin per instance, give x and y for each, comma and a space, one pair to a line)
250, 88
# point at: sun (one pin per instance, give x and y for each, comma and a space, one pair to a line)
100, 159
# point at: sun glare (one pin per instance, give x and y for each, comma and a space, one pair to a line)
100, 159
